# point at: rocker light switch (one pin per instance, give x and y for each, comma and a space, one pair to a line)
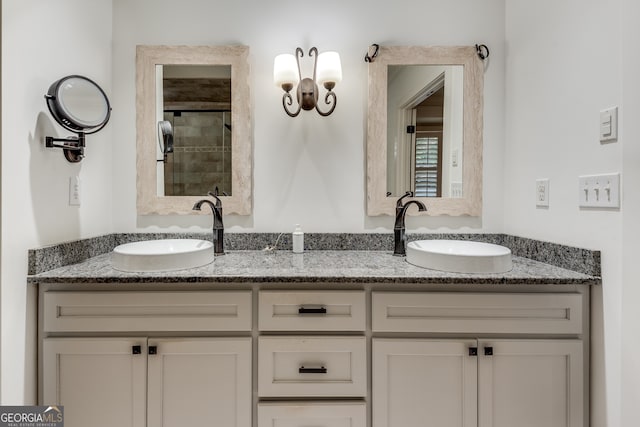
609, 124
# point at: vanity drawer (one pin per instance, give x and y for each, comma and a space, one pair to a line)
558, 313
312, 367
312, 311
146, 311
316, 414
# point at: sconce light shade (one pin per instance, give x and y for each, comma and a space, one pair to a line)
329, 68
285, 70
326, 71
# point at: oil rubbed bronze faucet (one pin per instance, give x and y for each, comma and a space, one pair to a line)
399, 237
218, 226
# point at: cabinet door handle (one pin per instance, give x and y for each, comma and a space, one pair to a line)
320, 370
488, 351
153, 349
312, 310
473, 351
136, 349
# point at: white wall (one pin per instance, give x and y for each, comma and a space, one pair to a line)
630, 131
42, 42
563, 66
308, 170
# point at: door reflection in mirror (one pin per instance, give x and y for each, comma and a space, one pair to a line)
196, 100
425, 130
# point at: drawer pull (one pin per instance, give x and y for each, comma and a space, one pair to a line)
320, 370
312, 310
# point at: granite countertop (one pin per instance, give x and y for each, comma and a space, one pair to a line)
331, 266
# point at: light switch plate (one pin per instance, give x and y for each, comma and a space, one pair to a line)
599, 191
609, 124
542, 192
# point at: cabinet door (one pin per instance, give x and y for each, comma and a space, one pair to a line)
424, 383
198, 382
531, 383
100, 382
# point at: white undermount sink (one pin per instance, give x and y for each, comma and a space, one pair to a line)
459, 256
162, 255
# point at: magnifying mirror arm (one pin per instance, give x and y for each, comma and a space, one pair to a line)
73, 146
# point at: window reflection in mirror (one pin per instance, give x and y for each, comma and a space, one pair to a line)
425, 130
196, 100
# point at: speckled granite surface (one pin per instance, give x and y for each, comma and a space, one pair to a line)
312, 266
55, 257
322, 265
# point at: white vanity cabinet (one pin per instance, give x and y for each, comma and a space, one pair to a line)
504, 381
316, 355
148, 379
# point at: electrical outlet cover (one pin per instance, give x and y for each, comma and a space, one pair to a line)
542, 192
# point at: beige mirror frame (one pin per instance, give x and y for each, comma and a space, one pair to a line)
147, 57
470, 203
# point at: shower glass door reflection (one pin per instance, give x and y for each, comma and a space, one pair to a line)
201, 158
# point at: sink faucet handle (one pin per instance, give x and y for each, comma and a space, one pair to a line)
215, 194
407, 194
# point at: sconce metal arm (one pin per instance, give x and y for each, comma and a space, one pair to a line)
287, 99
312, 52
299, 54
332, 95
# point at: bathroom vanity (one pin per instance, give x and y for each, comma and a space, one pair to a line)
324, 338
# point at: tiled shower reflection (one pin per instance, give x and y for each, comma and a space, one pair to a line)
201, 159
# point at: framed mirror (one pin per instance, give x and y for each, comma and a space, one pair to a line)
202, 94
424, 129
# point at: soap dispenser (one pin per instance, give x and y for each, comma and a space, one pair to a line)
298, 240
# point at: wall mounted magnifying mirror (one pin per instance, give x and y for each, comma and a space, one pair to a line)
165, 139
424, 131
79, 105
194, 127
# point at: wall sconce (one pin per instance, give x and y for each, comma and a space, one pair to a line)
327, 71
